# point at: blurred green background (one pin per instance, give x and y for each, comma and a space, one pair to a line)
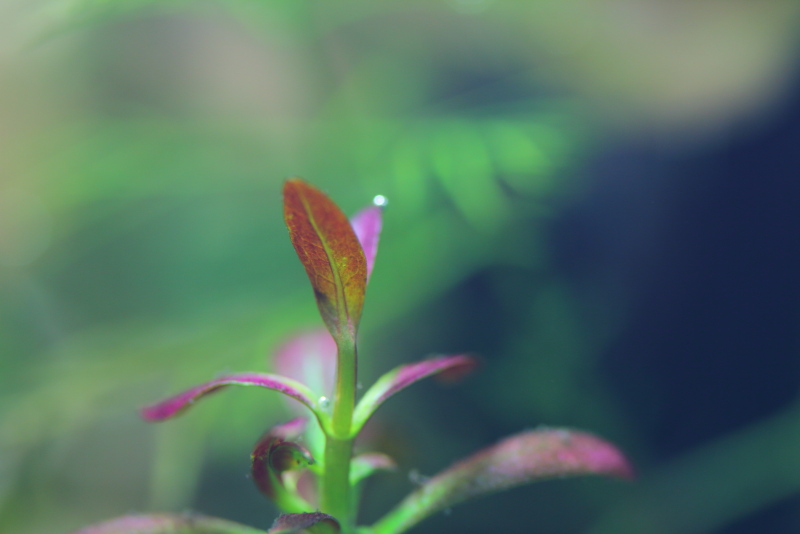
539, 158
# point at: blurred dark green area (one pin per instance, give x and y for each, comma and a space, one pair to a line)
598, 197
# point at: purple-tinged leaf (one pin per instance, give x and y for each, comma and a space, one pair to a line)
175, 405
402, 377
310, 358
368, 463
313, 523
168, 524
520, 459
331, 254
367, 225
272, 456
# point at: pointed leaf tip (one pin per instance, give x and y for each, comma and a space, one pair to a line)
405, 375
527, 457
331, 253
178, 403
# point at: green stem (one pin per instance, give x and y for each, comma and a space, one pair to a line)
336, 494
345, 398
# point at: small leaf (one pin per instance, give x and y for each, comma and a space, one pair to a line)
402, 377
367, 225
168, 524
331, 254
274, 454
368, 463
313, 523
527, 457
175, 405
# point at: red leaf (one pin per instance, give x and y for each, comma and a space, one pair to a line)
405, 375
331, 254
527, 457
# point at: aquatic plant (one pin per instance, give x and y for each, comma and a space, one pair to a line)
307, 466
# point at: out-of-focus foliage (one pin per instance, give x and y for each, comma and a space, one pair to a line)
142, 149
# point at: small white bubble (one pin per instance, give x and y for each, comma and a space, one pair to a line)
359, 385
380, 201
324, 402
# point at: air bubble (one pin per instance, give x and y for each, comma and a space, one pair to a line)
380, 201
324, 402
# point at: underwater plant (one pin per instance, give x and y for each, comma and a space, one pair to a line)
307, 466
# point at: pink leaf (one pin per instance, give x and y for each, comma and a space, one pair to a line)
314, 523
402, 377
527, 457
168, 524
309, 357
367, 225
175, 405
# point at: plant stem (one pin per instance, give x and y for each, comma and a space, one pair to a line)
345, 397
335, 490
336, 494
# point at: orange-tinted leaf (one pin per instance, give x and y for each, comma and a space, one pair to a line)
331, 254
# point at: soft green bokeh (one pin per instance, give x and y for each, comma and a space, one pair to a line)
142, 149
